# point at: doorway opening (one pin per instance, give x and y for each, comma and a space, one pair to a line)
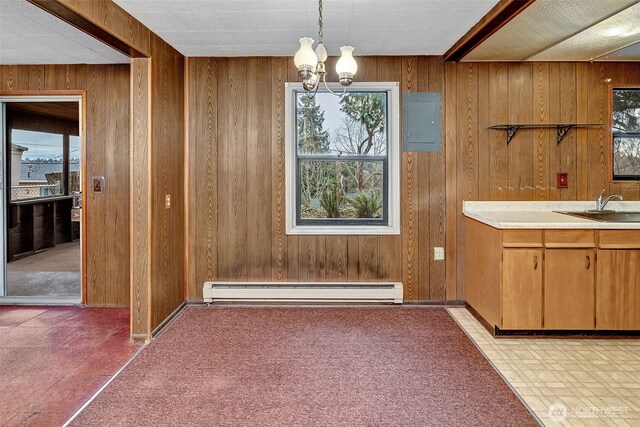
42, 217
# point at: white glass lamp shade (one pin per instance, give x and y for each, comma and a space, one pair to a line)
305, 59
346, 66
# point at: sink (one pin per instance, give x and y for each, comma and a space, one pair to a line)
607, 216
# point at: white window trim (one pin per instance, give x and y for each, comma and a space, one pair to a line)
393, 131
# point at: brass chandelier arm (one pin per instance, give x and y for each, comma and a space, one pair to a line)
311, 91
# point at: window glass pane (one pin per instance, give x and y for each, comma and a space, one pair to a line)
355, 124
626, 111
74, 163
341, 189
36, 164
626, 156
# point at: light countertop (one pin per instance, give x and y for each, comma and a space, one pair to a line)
542, 214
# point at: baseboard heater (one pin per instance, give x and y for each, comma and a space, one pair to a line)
319, 292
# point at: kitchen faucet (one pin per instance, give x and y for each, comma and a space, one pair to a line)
600, 204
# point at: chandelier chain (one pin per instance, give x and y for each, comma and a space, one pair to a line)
320, 21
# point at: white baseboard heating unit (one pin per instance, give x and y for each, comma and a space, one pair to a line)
303, 292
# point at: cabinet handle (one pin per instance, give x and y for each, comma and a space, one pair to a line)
535, 262
588, 262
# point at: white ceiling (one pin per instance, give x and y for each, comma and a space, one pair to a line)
273, 27
29, 35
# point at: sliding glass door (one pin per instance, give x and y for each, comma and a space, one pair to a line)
41, 228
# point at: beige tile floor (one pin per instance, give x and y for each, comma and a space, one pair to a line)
566, 382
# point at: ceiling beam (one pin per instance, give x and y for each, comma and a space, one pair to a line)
90, 24
497, 17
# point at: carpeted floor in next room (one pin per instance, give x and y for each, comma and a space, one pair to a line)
309, 366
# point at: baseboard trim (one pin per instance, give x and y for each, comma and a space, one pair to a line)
168, 319
437, 303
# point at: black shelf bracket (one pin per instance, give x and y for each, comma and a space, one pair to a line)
511, 132
562, 131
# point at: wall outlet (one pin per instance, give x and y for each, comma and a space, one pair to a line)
438, 253
562, 180
167, 201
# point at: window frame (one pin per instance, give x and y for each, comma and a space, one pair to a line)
614, 135
390, 223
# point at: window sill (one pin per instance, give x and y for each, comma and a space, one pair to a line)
343, 230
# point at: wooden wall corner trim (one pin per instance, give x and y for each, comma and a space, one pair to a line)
140, 197
189, 211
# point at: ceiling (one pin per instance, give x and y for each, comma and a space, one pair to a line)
273, 27
567, 30
57, 110
29, 35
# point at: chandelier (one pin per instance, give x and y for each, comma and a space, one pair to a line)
310, 63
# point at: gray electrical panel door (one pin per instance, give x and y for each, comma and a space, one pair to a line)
421, 121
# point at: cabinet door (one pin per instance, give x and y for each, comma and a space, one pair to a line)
522, 289
569, 288
618, 290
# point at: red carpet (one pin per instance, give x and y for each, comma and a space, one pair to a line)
309, 366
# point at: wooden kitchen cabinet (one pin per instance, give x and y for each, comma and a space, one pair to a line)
618, 289
569, 289
522, 289
553, 279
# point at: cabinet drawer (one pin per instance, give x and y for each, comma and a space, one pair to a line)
570, 239
522, 238
619, 239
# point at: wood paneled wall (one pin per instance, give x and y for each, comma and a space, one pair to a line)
157, 171
167, 178
480, 166
236, 184
107, 154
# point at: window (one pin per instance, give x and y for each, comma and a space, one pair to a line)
342, 161
37, 167
626, 134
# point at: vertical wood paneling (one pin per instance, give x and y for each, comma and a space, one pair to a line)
203, 155
423, 210
526, 170
568, 147
140, 167
167, 168
521, 149
337, 256
498, 113
436, 176
223, 100
248, 94
96, 225
541, 136
467, 153
258, 166
451, 187
279, 253
597, 107
408, 191
582, 135
235, 202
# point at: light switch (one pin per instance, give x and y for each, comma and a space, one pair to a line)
167, 201
438, 253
